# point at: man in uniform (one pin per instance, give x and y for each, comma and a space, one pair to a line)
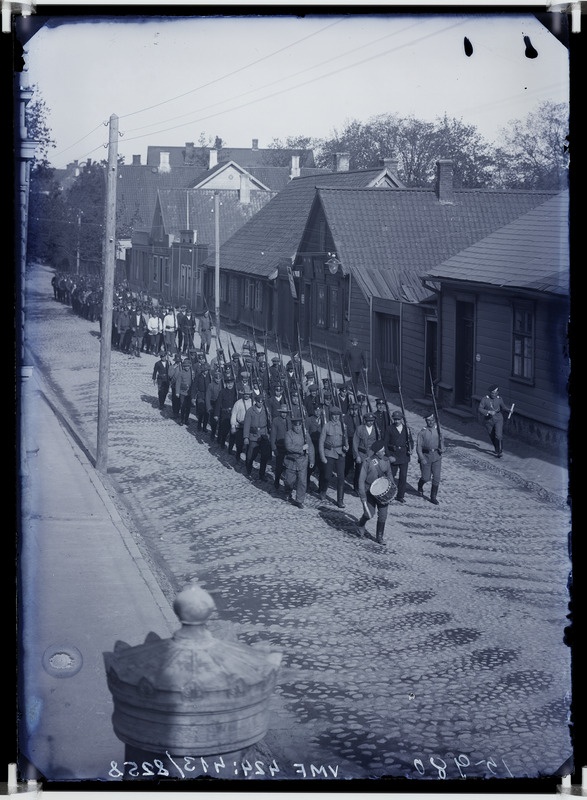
399, 443
279, 428
225, 401
311, 399
364, 436
377, 465
332, 448
213, 390
161, 378
352, 422
381, 417
299, 460
490, 409
174, 370
276, 400
275, 374
356, 360
237, 419
256, 437
184, 385
429, 449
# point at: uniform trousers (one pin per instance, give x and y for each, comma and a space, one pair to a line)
333, 465
296, 475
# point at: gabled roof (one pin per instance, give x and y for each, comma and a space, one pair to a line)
137, 187
275, 232
193, 209
228, 166
245, 156
388, 239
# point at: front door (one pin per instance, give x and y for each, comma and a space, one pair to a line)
464, 353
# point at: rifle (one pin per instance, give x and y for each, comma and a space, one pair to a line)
231, 364
369, 406
301, 406
283, 374
436, 419
355, 396
301, 389
384, 397
234, 350
332, 389
401, 402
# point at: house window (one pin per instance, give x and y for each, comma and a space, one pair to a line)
321, 303
523, 342
199, 288
166, 262
258, 296
224, 288
156, 269
333, 309
249, 299
389, 340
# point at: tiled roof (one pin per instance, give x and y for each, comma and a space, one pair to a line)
388, 239
193, 209
275, 232
245, 156
137, 187
530, 253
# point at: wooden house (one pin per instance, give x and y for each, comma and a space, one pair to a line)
361, 257
503, 310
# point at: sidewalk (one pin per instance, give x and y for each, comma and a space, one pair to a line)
81, 577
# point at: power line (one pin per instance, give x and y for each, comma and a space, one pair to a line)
234, 72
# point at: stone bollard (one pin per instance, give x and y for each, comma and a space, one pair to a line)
180, 700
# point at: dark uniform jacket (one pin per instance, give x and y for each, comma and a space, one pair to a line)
333, 439
256, 424
399, 444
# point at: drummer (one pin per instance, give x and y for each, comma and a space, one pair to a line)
377, 465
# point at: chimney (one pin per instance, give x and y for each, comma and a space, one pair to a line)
245, 190
391, 163
295, 167
255, 144
164, 162
136, 161
342, 162
213, 159
444, 184
189, 153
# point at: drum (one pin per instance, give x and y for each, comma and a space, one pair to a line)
383, 490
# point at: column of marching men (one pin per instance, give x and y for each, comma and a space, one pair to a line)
312, 432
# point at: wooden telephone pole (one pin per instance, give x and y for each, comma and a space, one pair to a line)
109, 260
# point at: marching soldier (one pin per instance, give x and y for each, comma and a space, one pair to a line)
364, 436
276, 400
174, 370
381, 418
237, 419
225, 401
279, 428
275, 374
332, 448
205, 332
399, 443
213, 390
351, 468
311, 399
256, 437
377, 465
185, 382
315, 423
299, 460
161, 378
429, 450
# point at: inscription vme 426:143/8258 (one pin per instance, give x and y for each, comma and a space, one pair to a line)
192, 767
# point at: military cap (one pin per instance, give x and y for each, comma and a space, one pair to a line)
369, 417
275, 360
353, 406
380, 401
493, 388
309, 374
245, 374
312, 387
429, 414
283, 409
377, 446
343, 388
296, 419
289, 365
246, 392
335, 410
228, 378
260, 354
177, 358
278, 386
397, 415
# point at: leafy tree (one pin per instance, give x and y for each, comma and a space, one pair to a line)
301, 144
36, 125
533, 153
86, 203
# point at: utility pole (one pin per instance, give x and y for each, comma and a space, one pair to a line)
109, 250
217, 262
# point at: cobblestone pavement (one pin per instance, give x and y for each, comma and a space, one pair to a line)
439, 655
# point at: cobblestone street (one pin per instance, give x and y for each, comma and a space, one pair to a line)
440, 655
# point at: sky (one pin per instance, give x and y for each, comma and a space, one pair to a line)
245, 77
